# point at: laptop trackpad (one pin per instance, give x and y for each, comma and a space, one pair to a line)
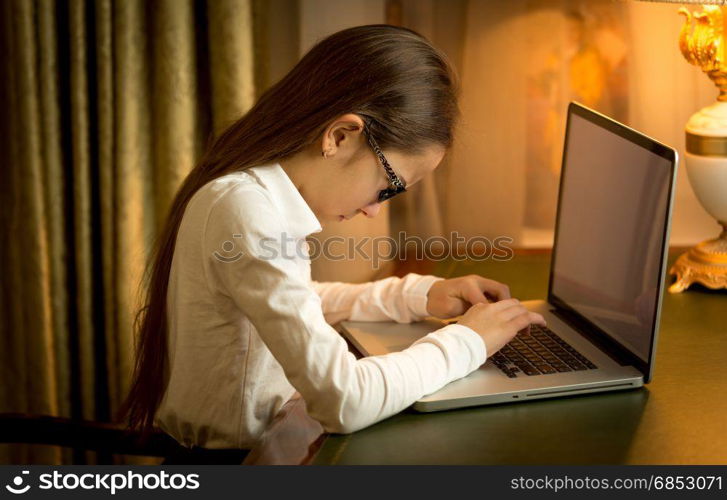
385, 337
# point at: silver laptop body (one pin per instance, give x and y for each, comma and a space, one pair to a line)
606, 276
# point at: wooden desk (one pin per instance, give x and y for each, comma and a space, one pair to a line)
678, 418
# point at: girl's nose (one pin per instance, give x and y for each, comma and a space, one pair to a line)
371, 210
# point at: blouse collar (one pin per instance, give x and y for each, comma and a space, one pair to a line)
301, 219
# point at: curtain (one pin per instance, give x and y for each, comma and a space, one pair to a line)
372, 244
422, 212
352, 261
107, 105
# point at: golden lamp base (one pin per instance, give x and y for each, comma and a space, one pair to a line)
705, 264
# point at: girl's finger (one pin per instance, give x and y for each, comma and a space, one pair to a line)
505, 304
512, 312
473, 294
497, 290
537, 319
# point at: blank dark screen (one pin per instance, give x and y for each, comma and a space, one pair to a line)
613, 207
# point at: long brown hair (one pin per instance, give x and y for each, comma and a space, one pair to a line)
392, 77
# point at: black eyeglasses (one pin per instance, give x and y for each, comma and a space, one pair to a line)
396, 185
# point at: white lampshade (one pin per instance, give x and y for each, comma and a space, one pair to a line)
696, 2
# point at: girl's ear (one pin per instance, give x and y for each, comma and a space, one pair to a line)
346, 132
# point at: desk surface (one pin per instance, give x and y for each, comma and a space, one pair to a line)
678, 418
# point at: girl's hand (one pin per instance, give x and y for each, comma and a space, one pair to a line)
498, 323
452, 297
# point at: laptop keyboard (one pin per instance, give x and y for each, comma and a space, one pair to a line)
540, 352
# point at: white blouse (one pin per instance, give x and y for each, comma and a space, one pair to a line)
247, 326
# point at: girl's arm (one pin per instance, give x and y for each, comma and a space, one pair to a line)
399, 299
344, 394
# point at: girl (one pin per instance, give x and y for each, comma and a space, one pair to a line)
233, 325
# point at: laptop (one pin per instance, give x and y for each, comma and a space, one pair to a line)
606, 279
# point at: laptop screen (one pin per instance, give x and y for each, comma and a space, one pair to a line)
613, 213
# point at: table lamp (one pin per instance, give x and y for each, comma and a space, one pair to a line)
701, 42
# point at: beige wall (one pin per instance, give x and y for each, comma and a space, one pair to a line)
480, 189
487, 180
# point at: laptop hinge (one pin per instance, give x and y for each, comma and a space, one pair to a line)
620, 355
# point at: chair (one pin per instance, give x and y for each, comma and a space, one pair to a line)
103, 437
292, 438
